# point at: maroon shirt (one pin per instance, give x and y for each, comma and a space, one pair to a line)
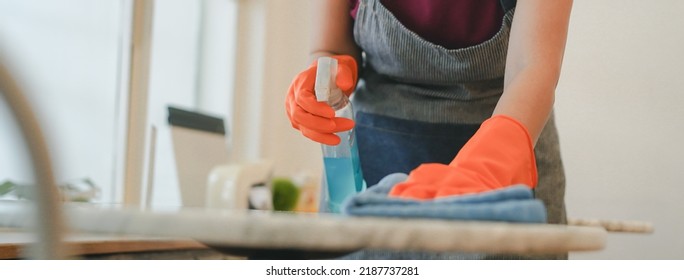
452, 24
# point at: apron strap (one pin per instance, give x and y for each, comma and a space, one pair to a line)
508, 5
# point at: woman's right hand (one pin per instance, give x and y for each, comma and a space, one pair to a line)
316, 120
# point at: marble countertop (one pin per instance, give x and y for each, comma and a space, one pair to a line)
324, 232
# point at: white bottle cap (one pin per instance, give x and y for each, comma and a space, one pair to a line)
326, 75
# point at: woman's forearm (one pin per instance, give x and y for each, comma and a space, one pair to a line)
533, 66
331, 32
529, 98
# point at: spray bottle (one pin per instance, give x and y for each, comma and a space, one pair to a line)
343, 177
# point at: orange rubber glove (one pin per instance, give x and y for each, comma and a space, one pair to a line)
500, 154
316, 120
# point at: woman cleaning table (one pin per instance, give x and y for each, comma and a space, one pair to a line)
457, 93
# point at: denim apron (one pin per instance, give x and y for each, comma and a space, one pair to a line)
419, 102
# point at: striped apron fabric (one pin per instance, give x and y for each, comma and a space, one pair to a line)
419, 102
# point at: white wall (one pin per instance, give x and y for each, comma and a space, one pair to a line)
621, 123
273, 46
287, 54
618, 114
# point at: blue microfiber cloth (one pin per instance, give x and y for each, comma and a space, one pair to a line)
511, 204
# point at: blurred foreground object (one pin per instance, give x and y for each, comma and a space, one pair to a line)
49, 224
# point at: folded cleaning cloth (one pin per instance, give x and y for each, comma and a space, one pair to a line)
511, 204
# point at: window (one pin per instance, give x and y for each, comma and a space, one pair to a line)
191, 67
73, 58
67, 54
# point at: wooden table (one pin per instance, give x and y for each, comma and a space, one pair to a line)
12, 242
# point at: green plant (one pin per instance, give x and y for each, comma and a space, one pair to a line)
6, 187
82, 190
285, 194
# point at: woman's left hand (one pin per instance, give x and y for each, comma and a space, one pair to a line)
500, 154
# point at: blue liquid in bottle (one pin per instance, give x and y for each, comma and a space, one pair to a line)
343, 176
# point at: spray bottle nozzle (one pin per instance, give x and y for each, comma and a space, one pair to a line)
326, 75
